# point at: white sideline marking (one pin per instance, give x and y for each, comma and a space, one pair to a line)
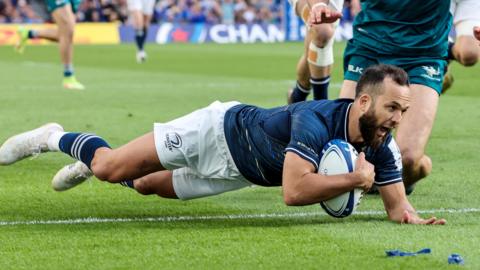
90, 220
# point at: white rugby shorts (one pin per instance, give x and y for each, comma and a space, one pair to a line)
195, 149
466, 15
145, 6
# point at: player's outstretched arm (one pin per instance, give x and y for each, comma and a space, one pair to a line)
399, 208
320, 12
302, 185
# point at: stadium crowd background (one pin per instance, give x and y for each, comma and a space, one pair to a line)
175, 11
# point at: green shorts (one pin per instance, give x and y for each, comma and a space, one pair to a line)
421, 70
54, 4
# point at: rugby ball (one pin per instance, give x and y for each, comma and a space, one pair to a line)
338, 158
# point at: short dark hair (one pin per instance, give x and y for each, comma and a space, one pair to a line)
374, 76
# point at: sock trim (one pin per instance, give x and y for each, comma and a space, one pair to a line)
127, 183
299, 87
79, 142
320, 81
75, 144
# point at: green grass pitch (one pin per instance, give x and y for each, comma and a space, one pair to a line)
247, 229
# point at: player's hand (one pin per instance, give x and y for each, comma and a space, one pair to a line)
409, 218
365, 172
355, 7
321, 13
476, 32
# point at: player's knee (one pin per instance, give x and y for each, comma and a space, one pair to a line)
320, 57
321, 35
105, 169
425, 165
143, 187
417, 162
469, 58
66, 26
411, 158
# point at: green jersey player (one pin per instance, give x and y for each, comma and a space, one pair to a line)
412, 35
63, 13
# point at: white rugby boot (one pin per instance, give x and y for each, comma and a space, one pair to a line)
27, 144
71, 176
141, 57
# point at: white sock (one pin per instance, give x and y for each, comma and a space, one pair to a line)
54, 141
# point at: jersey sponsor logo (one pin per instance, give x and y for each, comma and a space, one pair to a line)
431, 73
219, 33
173, 140
355, 69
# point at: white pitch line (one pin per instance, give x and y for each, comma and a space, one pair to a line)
91, 220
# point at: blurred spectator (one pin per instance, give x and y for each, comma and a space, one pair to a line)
196, 14
3, 12
175, 11
89, 11
102, 11
110, 11
249, 15
17, 11
228, 12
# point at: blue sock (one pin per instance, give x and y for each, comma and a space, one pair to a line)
81, 146
450, 51
127, 183
144, 36
67, 70
320, 87
139, 38
299, 93
32, 34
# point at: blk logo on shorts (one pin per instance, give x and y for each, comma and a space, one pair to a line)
173, 140
355, 69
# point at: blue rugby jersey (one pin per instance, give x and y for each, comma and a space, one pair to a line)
258, 139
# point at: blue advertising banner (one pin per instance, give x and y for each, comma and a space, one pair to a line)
204, 33
293, 25
291, 30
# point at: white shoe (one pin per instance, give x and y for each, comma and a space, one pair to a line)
71, 176
27, 144
141, 57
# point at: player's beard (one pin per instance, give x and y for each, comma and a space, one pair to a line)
369, 128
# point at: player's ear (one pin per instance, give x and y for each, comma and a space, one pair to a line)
365, 102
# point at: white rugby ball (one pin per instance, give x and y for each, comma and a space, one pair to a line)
338, 158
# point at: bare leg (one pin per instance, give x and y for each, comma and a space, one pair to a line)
303, 74
137, 19
414, 131
49, 34
65, 20
311, 64
303, 79
160, 183
134, 160
466, 50
146, 20
348, 89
